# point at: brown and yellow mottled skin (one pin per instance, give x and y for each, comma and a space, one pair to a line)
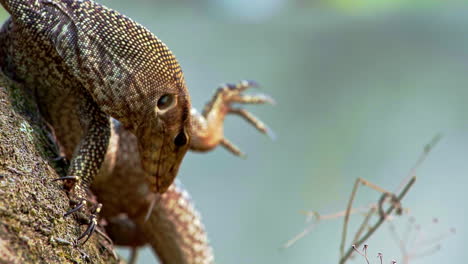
174, 229
73, 51
86, 63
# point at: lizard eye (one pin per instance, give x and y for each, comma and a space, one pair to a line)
165, 101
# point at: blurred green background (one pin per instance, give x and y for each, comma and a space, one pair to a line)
361, 86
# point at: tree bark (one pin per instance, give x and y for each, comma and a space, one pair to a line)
32, 226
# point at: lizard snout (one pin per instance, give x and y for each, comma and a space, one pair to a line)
161, 152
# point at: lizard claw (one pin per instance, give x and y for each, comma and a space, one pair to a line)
76, 208
228, 94
78, 201
67, 178
92, 222
70, 181
232, 148
254, 121
243, 85
91, 226
233, 94
89, 231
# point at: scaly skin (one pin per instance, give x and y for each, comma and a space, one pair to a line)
174, 229
86, 63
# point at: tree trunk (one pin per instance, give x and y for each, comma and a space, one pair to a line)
32, 226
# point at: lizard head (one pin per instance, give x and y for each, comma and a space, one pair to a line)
164, 137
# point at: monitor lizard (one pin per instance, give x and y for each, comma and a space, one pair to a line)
86, 63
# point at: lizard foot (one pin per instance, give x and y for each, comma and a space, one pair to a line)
222, 104
77, 200
91, 221
232, 93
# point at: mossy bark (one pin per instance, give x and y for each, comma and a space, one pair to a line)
32, 228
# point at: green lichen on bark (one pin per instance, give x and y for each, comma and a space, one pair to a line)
32, 229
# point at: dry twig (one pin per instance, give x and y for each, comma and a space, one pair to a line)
364, 231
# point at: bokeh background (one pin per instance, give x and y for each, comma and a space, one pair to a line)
361, 86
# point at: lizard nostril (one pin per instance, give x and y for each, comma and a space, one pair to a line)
181, 139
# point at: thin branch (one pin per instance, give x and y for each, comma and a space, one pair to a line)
364, 224
425, 253
373, 186
420, 160
339, 214
408, 232
300, 235
314, 215
400, 242
380, 221
420, 248
431, 241
346, 218
349, 207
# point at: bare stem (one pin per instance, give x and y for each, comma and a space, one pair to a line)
381, 220
346, 218
350, 206
420, 160
364, 224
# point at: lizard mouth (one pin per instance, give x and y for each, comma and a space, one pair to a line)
167, 167
159, 159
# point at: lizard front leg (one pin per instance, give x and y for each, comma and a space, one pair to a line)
87, 159
207, 128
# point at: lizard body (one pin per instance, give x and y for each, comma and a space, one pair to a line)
72, 51
85, 63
